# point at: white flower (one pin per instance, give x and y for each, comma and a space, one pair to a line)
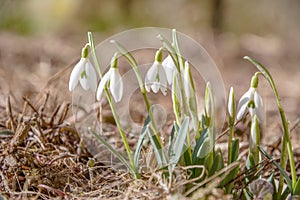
251, 100
254, 133
84, 73
115, 86
170, 68
156, 78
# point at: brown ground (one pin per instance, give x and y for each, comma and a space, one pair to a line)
33, 67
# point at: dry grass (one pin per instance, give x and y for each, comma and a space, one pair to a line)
42, 157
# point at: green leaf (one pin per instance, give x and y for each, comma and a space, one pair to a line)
177, 49
113, 151
170, 145
179, 143
297, 188
272, 181
208, 159
200, 141
205, 148
218, 162
235, 149
283, 172
250, 162
140, 142
285, 193
158, 150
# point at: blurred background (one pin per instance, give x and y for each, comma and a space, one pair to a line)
39, 38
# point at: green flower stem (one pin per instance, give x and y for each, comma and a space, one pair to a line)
286, 143
231, 132
122, 133
94, 56
135, 68
108, 95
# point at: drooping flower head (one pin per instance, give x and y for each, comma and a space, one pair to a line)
84, 73
156, 78
115, 81
170, 68
251, 100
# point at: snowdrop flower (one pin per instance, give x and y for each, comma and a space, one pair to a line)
115, 84
156, 77
170, 68
251, 100
84, 73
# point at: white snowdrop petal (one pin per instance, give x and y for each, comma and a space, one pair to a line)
243, 102
152, 72
169, 68
102, 83
241, 111
75, 74
84, 83
91, 76
155, 86
116, 85
258, 100
259, 106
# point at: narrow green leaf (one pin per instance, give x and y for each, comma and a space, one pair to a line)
158, 150
208, 161
217, 163
140, 142
113, 150
235, 149
283, 172
285, 193
170, 145
247, 194
199, 142
272, 181
177, 49
179, 143
297, 188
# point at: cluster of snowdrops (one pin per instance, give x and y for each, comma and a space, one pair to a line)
192, 139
